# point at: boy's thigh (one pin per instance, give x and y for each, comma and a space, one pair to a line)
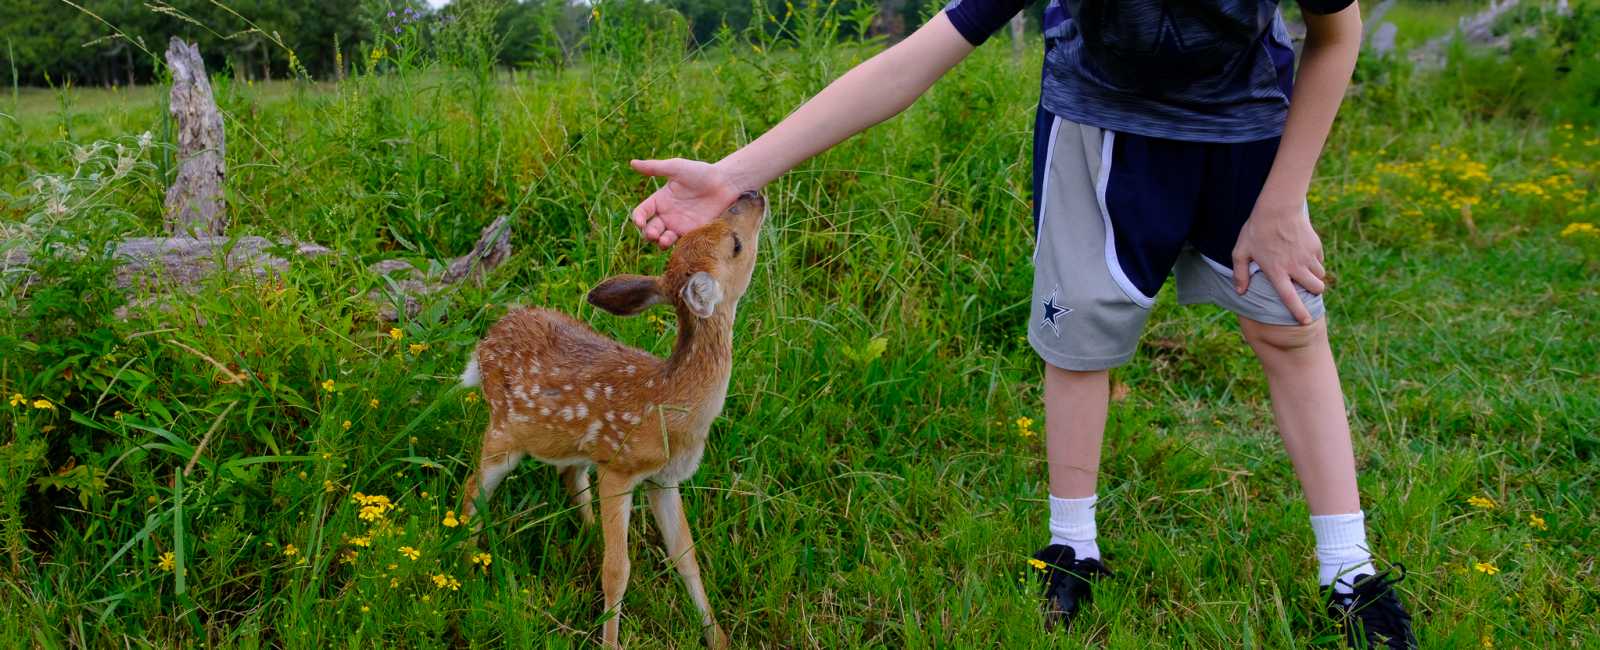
1202, 280
1234, 174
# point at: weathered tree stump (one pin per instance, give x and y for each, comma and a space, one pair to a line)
194, 202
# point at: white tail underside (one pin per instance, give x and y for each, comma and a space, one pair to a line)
472, 376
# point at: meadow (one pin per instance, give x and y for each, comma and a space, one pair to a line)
877, 476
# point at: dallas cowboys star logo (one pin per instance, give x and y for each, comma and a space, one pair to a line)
1052, 311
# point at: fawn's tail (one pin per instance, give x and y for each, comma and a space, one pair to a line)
473, 375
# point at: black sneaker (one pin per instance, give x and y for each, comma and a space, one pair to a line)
1065, 579
1371, 615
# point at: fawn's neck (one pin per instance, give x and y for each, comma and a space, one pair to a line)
704, 349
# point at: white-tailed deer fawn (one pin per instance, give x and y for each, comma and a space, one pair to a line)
566, 395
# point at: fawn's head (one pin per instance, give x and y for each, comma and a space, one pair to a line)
710, 267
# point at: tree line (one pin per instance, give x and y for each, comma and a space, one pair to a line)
115, 42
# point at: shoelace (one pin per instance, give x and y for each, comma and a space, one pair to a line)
1373, 601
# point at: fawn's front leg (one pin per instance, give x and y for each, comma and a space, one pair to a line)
616, 503
667, 505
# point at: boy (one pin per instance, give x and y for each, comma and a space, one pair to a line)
1166, 142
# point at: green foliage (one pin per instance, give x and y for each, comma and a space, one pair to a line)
264, 462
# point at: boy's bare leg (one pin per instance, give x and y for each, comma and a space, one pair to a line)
1075, 406
1308, 405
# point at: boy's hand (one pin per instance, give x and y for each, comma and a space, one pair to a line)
1282, 242
695, 193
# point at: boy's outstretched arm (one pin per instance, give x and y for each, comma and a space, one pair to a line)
1278, 236
875, 90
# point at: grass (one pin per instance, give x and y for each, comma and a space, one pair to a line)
1418, 22
844, 500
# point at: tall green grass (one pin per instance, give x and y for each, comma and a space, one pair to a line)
848, 498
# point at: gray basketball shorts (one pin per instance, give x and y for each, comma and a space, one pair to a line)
1115, 214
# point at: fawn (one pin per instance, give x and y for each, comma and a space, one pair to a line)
571, 397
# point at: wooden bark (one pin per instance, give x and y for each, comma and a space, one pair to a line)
407, 285
194, 202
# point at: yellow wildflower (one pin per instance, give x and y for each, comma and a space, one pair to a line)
349, 557
365, 609
394, 583
329, 486
1025, 426
472, 398
483, 560
1580, 228
167, 561
363, 542
396, 334
18, 400
345, 425
373, 507
450, 520
446, 582
290, 551
1037, 563
1486, 568
417, 348
410, 553
373, 402
1480, 502
327, 385
43, 404
1537, 522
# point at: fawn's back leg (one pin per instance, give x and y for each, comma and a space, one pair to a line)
616, 502
576, 478
500, 455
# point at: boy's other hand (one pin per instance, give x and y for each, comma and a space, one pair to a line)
695, 193
1283, 244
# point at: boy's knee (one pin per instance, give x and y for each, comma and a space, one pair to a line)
1285, 338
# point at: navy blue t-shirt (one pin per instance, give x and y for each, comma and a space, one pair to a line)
1208, 71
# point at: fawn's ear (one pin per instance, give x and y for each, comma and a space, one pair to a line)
701, 294
626, 295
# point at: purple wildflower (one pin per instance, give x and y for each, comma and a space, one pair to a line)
391, 14
397, 30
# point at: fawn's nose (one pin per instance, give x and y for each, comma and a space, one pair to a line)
750, 201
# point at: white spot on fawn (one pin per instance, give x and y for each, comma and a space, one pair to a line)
611, 417
583, 410
588, 394
629, 370
608, 390
566, 413
544, 411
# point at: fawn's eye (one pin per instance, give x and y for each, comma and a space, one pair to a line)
737, 245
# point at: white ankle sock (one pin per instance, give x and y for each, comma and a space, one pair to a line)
1072, 524
1342, 552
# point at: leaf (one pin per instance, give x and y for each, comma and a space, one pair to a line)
868, 352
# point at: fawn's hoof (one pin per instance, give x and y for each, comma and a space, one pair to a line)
716, 639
